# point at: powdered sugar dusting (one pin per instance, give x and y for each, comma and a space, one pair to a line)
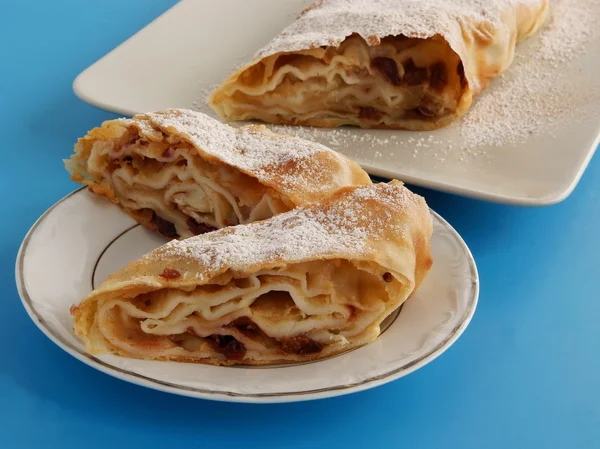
570, 27
267, 156
537, 93
329, 22
203, 92
343, 227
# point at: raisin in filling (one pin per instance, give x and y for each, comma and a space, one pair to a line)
413, 75
439, 76
301, 345
199, 228
388, 68
165, 227
170, 273
227, 345
370, 113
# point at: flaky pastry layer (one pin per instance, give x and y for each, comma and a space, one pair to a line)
183, 173
303, 285
379, 63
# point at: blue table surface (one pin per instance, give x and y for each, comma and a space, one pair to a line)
524, 375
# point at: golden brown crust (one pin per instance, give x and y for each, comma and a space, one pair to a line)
382, 229
484, 42
252, 161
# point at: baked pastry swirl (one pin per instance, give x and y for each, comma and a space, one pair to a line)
183, 173
405, 64
303, 285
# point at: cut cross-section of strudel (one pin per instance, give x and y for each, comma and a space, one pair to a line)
303, 285
406, 64
183, 173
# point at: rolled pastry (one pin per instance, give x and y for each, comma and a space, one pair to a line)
183, 173
303, 285
406, 64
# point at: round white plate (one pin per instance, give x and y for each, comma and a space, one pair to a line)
80, 240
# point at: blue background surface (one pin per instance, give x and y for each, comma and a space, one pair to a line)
524, 375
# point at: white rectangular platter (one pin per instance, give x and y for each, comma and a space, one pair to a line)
526, 140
